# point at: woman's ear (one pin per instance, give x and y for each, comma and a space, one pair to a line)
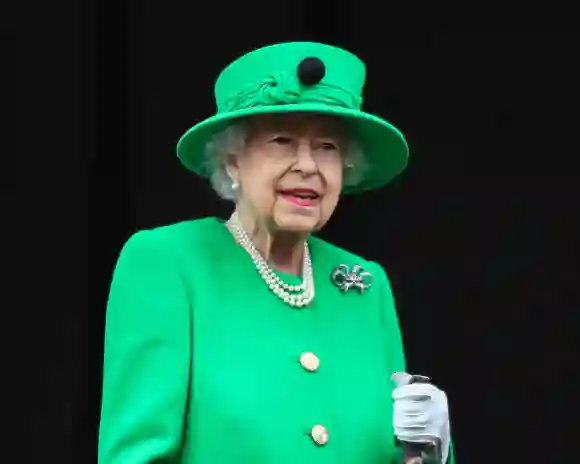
232, 168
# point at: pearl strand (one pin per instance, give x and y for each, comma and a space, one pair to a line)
293, 295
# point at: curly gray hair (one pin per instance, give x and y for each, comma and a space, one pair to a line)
232, 140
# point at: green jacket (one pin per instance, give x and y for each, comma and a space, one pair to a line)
202, 361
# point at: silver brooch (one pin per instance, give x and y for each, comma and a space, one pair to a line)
346, 279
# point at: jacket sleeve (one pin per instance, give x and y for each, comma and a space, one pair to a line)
146, 356
393, 336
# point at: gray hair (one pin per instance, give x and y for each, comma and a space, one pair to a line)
232, 140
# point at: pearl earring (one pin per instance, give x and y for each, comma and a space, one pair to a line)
235, 185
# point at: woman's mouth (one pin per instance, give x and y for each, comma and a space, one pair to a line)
300, 197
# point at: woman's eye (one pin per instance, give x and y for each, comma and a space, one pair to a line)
282, 140
328, 146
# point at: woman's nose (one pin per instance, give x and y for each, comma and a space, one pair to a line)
305, 159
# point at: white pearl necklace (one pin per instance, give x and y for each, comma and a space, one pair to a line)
293, 295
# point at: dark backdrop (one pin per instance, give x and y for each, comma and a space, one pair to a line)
479, 236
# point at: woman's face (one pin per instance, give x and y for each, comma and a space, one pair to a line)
290, 173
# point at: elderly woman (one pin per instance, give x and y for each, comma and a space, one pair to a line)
251, 340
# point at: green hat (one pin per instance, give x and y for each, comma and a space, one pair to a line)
300, 77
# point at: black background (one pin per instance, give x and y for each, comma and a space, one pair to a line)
479, 236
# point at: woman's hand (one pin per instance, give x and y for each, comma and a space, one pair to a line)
421, 414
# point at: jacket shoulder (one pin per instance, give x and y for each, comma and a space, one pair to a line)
185, 244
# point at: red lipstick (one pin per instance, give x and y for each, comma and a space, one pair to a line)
302, 197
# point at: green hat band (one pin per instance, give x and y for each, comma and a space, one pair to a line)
282, 89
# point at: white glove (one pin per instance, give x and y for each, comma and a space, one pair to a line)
420, 413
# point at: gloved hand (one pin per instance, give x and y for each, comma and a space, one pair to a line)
421, 414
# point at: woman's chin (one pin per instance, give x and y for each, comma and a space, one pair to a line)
298, 223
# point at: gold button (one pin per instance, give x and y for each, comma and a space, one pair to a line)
319, 435
309, 361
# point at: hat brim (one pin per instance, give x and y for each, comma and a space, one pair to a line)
384, 147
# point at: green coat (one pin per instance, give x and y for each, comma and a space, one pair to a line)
202, 361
